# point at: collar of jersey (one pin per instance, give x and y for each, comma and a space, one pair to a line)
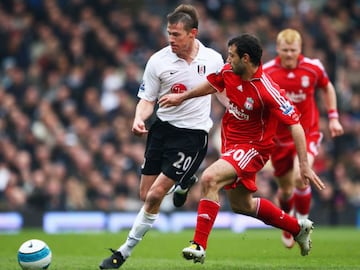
200, 54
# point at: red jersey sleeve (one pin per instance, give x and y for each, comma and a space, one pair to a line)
321, 73
286, 112
217, 79
280, 105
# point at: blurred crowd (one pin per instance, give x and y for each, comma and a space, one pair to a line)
69, 76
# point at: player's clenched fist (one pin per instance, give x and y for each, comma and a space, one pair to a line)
138, 127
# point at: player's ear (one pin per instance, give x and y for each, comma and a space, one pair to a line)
246, 57
194, 31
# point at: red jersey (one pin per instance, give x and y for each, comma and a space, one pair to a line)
300, 85
255, 108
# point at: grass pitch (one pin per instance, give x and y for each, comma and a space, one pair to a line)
333, 248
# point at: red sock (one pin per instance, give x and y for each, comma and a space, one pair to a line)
207, 212
274, 216
303, 200
287, 204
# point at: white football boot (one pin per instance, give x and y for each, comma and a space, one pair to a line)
303, 237
194, 252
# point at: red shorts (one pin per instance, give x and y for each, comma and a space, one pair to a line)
282, 158
247, 161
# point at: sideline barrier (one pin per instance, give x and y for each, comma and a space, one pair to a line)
58, 222
10, 222
82, 222
63, 222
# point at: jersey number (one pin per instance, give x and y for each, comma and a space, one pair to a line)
183, 162
243, 158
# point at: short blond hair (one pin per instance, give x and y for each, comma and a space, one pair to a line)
289, 36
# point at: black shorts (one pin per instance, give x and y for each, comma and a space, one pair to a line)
176, 152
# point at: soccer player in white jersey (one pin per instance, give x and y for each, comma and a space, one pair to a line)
300, 77
177, 140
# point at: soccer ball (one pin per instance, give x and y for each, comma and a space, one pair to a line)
34, 254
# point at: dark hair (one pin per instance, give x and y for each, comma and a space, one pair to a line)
249, 44
185, 14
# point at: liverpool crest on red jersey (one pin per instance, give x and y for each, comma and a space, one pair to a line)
249, 103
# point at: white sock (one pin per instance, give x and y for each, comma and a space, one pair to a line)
300, 216
143, 223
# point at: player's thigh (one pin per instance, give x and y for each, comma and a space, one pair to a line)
220, 173
286, 181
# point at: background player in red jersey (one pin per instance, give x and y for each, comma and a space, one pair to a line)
300, 77
248, 125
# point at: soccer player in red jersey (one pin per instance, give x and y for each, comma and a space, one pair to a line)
300, 77
256, 104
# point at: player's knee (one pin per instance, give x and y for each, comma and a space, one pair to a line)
155, 196
299, 183
286, 192
208, 181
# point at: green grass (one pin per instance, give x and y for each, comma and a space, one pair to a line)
333, 248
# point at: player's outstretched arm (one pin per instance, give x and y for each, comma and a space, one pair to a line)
308, 175
170, 100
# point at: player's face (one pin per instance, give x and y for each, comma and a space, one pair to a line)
235, 61
180, 40
289, 53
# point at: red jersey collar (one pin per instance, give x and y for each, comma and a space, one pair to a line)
258, 73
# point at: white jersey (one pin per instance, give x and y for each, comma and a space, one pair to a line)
166, 73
